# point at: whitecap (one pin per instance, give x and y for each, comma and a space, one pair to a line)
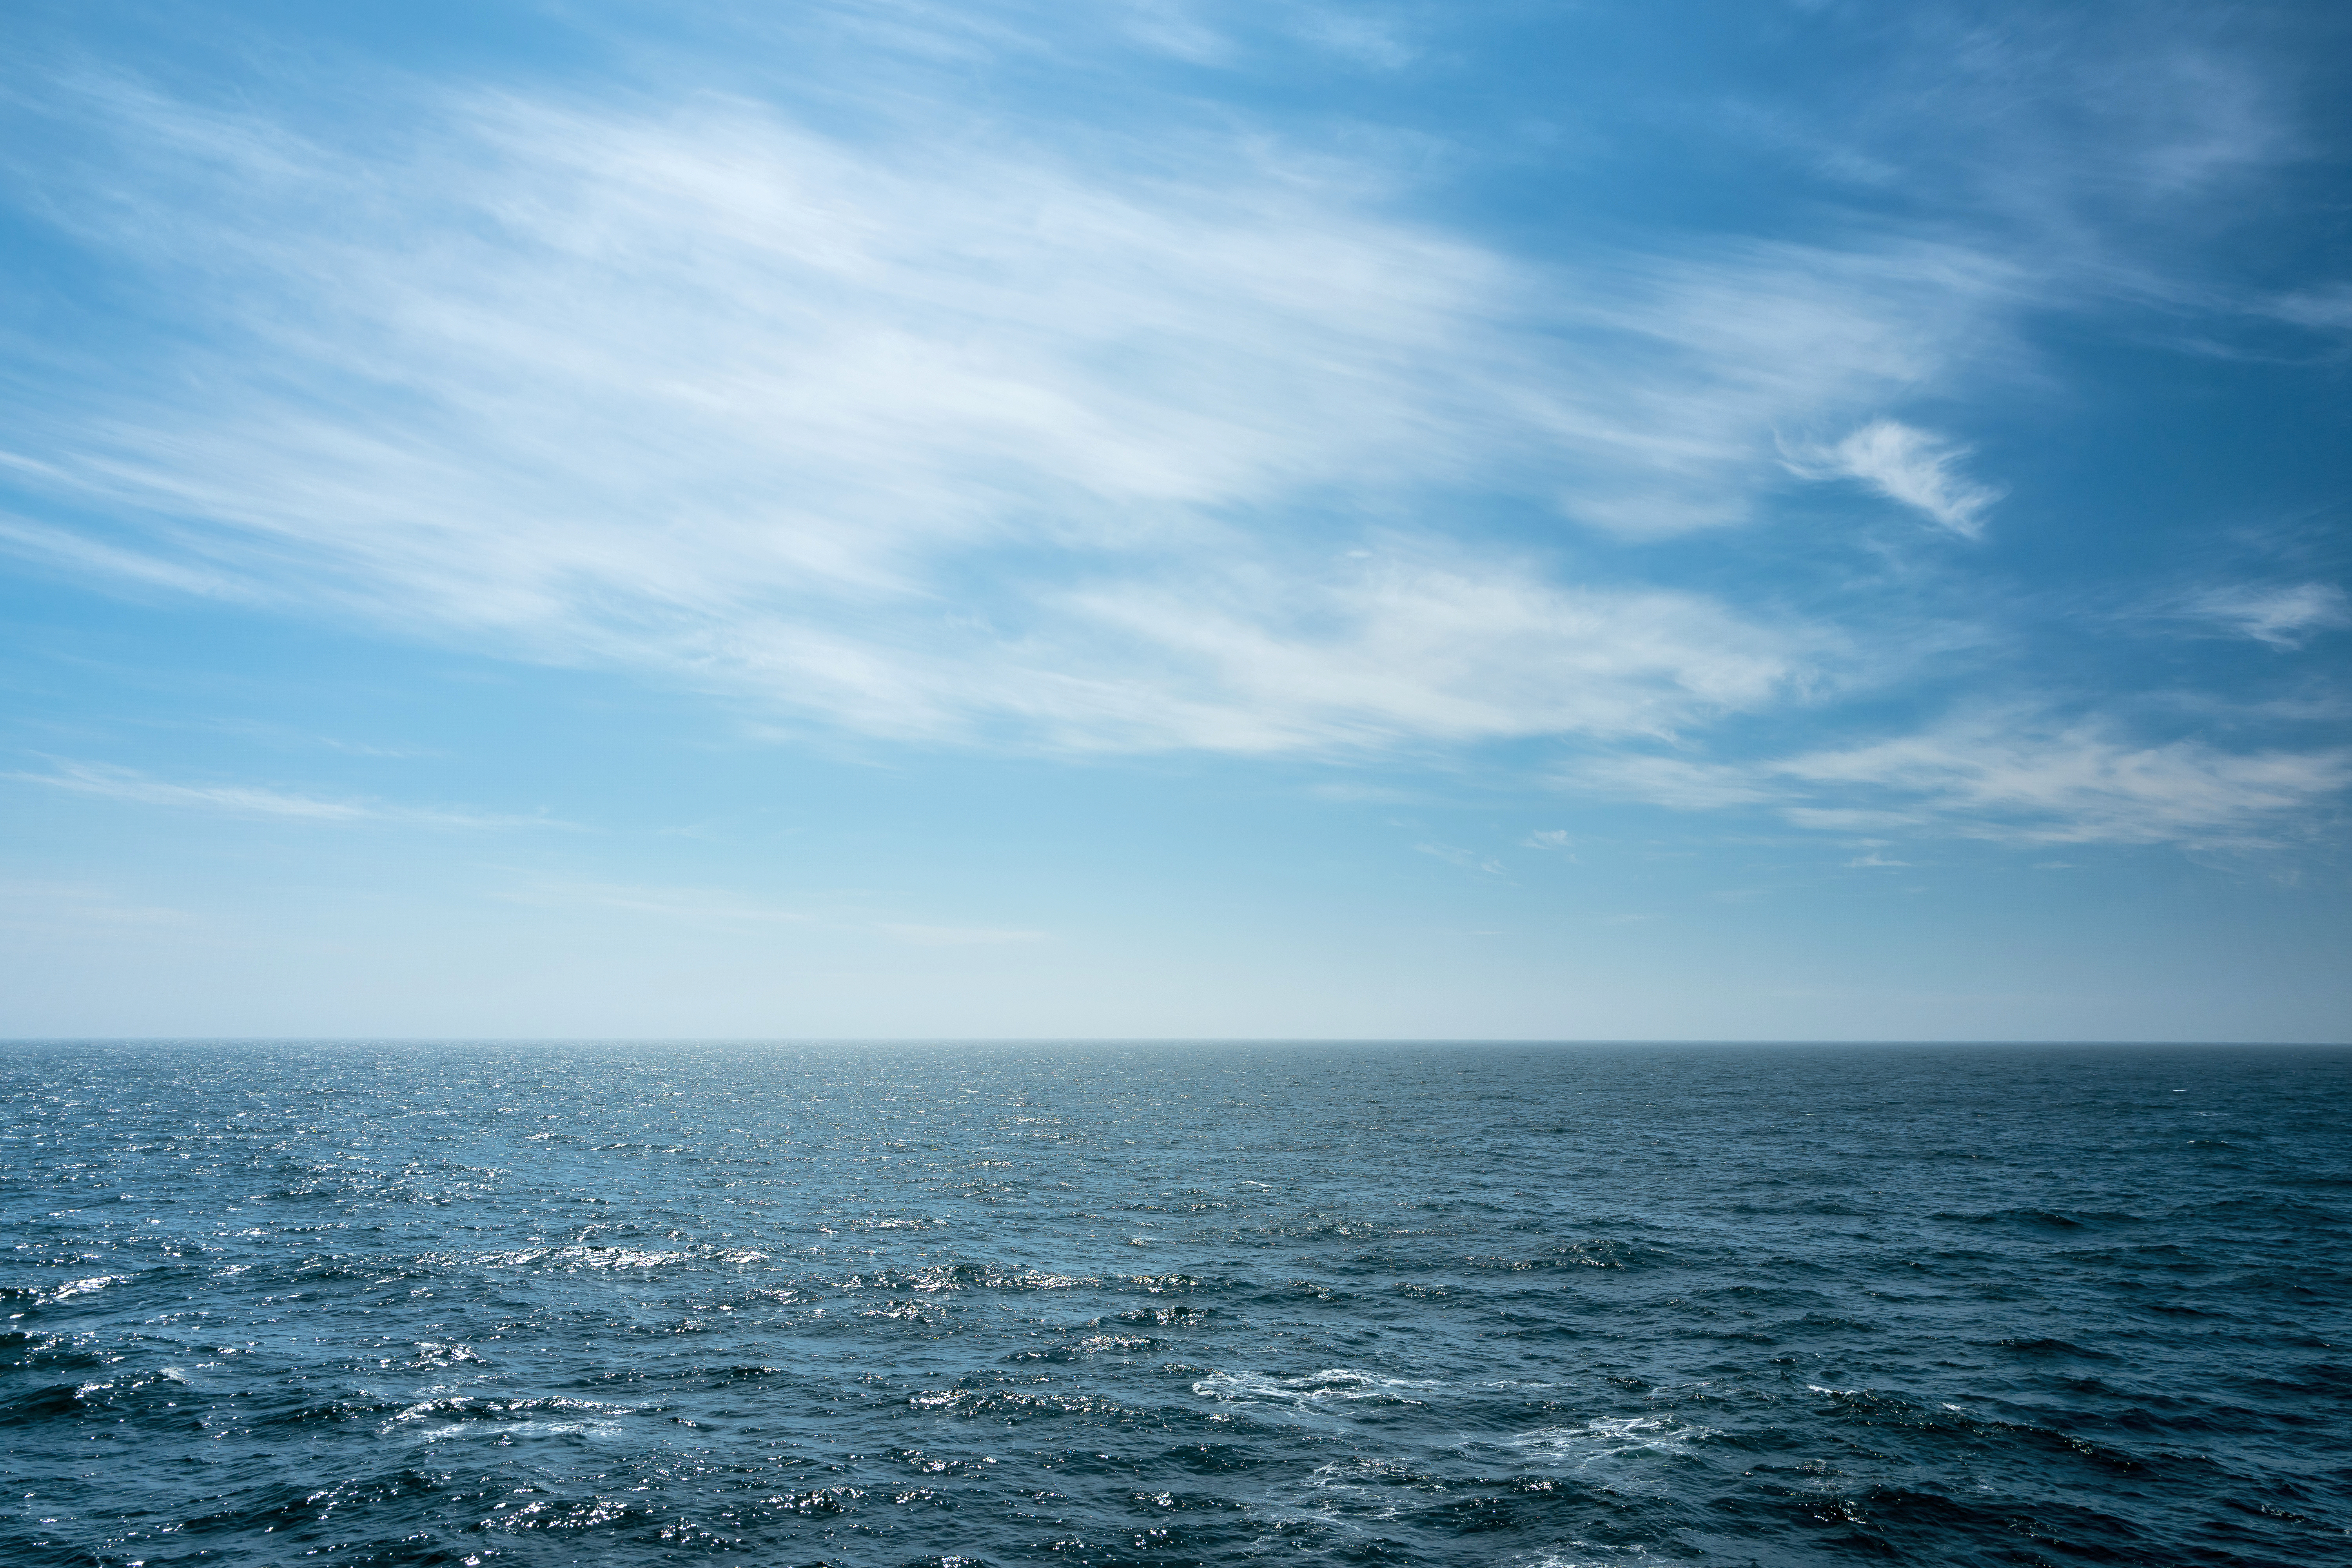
1616, 1446
84, 1287
1333, 1383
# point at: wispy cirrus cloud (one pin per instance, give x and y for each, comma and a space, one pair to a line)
2284, 616
80, 554
2082, 782
1906, 464
2013, 777
131, 785
1384, 652
956, 438
963, 429
2324, 309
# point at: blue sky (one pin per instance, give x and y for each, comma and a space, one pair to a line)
1738, 520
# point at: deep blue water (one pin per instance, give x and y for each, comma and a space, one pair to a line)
1432, 1305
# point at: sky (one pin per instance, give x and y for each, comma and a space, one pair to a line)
1727, 520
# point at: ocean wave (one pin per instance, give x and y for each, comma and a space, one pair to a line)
1623, 1450
1335, 1385
447, 1414
28, 1297
594, 1256
946, 1277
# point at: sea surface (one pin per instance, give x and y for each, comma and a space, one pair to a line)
954, 1304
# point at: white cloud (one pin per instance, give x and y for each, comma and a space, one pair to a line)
2082, 782
1909, 465
954, 436
1401, 651
1548, 838
2010, 777
2284, 618
252, 800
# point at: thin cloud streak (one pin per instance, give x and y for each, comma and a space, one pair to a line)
2014, 778
2284, 617
2080, 784
256, 801
74, 553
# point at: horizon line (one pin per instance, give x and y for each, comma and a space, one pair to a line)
804, 1040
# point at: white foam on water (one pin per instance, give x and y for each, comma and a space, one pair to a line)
582, 1257
910, 1310
1339, 1383
1617, 1447
577, 1256
454, 1415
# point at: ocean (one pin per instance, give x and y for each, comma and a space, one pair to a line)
777, 1306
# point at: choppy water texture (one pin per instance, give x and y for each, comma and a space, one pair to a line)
1464, 1305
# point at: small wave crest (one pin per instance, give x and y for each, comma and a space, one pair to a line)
1336, 1385
1625, 1449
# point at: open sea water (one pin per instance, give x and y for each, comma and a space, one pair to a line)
778, 1306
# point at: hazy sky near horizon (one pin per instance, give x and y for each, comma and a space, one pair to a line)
1718, 520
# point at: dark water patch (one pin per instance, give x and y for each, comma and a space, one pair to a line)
2042, 1219
2045, 1347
